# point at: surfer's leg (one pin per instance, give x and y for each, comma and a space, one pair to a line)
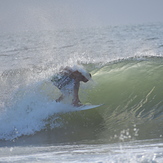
75, 100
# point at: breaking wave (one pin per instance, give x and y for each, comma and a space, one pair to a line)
130, 89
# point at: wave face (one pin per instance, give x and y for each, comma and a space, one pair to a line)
132, 93
130, 89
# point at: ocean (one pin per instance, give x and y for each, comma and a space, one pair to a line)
126, 63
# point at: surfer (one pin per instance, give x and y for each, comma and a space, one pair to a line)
68, 82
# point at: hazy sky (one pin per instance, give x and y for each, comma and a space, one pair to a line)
20, 15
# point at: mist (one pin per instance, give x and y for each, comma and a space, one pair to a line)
22, 15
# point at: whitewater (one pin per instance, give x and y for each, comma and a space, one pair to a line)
126, 64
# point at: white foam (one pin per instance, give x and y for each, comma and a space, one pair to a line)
30, 106
29, 114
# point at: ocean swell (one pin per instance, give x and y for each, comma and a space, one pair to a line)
130, 89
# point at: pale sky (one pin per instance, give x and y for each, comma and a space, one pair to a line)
20, 15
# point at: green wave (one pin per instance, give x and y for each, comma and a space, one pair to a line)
132, 93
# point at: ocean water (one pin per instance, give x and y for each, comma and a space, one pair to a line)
126, 63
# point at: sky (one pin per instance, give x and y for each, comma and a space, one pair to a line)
25, 15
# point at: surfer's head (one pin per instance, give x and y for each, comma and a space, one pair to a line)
86, 77
77, 73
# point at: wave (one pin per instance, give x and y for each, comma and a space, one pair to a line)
130, 89
132, 93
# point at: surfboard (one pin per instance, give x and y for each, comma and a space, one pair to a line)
85, 107
66, 108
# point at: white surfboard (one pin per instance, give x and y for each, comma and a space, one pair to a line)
66, 108
85, 107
